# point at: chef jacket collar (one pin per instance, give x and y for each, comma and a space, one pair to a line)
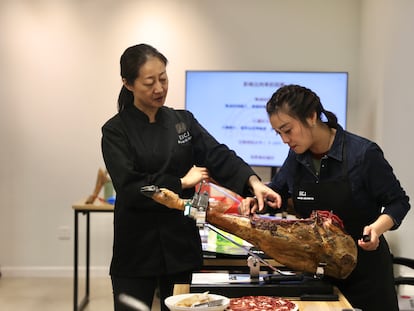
160, 117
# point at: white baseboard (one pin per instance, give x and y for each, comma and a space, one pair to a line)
94, 271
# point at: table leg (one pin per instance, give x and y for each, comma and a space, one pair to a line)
75, 265
85, 299
88, 251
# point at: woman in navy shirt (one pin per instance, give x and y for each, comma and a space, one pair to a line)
328, 168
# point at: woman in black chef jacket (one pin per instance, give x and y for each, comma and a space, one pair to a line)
146, 143
328, 168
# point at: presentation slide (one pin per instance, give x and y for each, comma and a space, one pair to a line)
231, 106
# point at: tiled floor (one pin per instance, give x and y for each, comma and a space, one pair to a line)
53, 294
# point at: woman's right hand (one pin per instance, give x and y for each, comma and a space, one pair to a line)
248, 206
195, 175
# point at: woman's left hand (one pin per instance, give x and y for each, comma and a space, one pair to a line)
372, 243
383, 223
194, 176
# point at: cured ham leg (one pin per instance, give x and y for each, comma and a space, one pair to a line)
301, 245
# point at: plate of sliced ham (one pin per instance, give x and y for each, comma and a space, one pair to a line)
261, 303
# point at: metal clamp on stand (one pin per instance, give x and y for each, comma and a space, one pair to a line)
320, 270
254, 266
197, 207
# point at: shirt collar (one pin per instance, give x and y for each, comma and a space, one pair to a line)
336, 151
159, 117
337, 148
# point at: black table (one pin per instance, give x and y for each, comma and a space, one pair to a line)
84, 209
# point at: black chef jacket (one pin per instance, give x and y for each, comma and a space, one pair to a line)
149, 238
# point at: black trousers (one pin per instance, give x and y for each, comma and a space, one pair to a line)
143, 288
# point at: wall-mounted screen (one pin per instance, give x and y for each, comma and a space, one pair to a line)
231, 106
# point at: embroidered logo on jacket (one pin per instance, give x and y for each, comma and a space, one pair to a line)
184, 135
302, 195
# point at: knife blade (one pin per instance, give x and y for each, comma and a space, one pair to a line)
260, 259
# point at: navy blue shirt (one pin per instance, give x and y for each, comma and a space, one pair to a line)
375, 188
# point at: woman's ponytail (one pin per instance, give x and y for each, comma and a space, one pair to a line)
125, 98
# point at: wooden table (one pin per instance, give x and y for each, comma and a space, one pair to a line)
339, 305
86, 209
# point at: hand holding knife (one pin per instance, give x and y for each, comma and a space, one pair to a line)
369, 241
366, 238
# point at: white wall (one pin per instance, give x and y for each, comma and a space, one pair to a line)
385, 94
60, 80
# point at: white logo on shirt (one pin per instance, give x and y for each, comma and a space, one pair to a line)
184, 138
303, 196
